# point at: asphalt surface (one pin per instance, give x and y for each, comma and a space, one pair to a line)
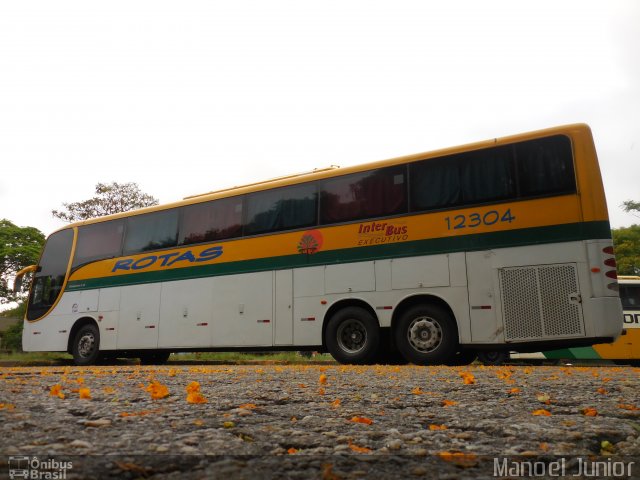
319, 421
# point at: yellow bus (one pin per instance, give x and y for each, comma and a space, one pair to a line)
625, 350
501, 244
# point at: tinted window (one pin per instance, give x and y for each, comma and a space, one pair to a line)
52, 270
377, 193
211, 221
545, 166
472, 177
98, 241
630, 296
151, 231
281, 209
527, 169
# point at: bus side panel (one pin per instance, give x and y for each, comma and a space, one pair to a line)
283, 302
139, 316
109, 310
51, 333
483, 301
186, 314
308, 311
47, 335
243, 310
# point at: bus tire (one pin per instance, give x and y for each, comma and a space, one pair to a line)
426, 335
462, 358
352, 336
86, 345
493, 357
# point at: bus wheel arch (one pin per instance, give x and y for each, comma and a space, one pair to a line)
84, 341
351, 331
432, 317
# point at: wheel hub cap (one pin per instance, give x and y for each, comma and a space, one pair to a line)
352, 336
425, 334
86, 344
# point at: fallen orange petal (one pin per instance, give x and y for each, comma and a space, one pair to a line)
56, 391
464, 460
196, 397
358, 449
468, 378
157, 390
589, 412
193, 387
541, 412
365, 420
437, 427
323, 379
85, 393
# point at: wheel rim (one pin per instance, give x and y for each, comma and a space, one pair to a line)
86, 344
352, 336
425, 334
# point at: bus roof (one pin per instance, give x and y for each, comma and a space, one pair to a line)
334, 171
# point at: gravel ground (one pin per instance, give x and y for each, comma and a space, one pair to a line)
314, 421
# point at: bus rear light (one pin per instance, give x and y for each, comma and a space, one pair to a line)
613, 286
595, 270
612, 274
608, 250
610, 262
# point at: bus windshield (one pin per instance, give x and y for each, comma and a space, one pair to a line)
51, 273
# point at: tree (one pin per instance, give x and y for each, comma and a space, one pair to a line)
630, 206
626, 241
19, 248
110, 198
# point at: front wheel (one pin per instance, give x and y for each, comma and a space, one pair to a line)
426, 335
352, 336
86, 345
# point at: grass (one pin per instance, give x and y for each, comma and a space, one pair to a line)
57, 358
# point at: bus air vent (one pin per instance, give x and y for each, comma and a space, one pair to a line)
540, 302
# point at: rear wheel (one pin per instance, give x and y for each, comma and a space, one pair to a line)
426, 335
463, 357
352, 336
86, 345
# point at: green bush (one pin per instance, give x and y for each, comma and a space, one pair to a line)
12, 338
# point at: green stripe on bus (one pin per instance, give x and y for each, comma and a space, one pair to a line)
463, 243
581, 353
561, 353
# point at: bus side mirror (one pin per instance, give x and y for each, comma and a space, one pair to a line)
17, 283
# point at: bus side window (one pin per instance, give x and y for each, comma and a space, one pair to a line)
372, 194
151, 231
210, 221
98, 241
545, 166
630, 296
281, 209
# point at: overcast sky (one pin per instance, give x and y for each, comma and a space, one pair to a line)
189, 97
